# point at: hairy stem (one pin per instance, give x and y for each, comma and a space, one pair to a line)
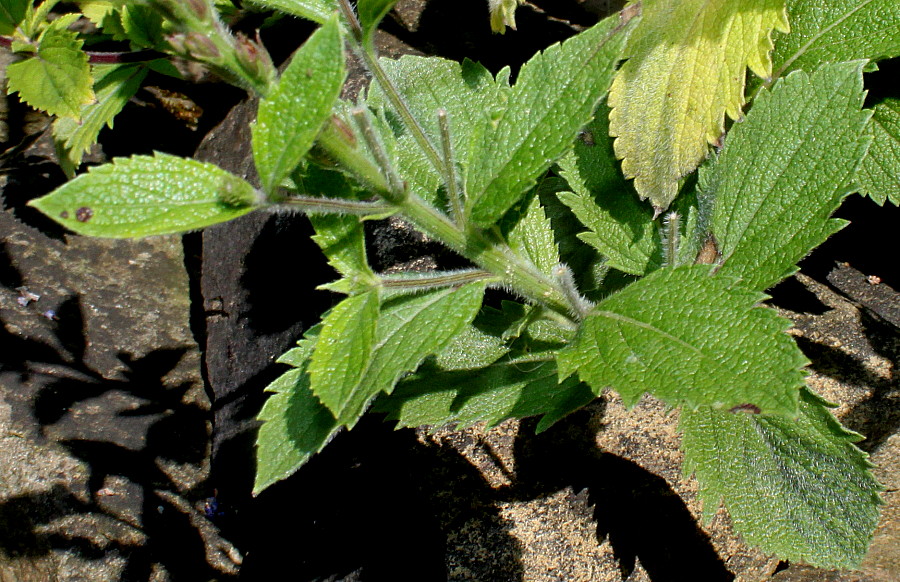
434, 280
316, 205
457, 204
390, 91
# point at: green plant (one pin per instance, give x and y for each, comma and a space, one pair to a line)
609, 291
84, 90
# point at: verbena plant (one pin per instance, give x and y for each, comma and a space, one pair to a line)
651, 285
84, 90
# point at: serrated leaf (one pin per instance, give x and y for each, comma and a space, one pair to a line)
12, 12
466, 91
503, 390
114, 85
879, 174
784, 170
685, 72
296, 426
619, 226
57, 79
795, 487
384, 345
142, 25
554, 96
148, 195
532, 236
342, 239
343, 352
316, 10
824, 31
105, 14
291, 115
370, 13
690, 339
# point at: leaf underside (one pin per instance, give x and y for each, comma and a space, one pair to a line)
795, 487
685, 71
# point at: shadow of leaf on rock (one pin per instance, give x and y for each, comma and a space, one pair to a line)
638, 512
141, 440
877, 416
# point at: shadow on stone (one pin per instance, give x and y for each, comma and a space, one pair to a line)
637, 511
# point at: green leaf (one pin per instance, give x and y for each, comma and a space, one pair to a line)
295, 424
343, 352
142, 25
466, 91
879, 174
619, 226
784, 170
316, 10
532, 236
685, 72
795, 487
371, 12
499, 367
148, 195
367, 351
342, 239
291, 115
554, 96
57, 78
824, 31
503, 390
114, 85
12, 13
106, 15
688, 338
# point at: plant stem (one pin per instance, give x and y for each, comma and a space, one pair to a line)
457, 207
433, 280
316, 205
390, 91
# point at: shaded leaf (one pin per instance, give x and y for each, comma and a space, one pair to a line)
795, 487
114, 85
619, 226
367, 350
295, 424
371, 12
12, 13
500, 391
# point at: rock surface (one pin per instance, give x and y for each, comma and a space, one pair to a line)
127, 455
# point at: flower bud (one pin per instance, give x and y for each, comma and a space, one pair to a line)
201, 46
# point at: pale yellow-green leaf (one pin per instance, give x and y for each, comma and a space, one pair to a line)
503, 14
685, 71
